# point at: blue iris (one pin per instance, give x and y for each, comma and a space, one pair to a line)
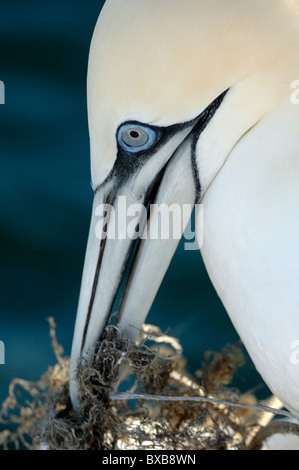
135, 138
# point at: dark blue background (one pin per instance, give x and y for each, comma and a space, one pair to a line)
45, 197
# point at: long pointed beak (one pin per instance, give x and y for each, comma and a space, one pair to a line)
109, 248
176, 194
168, 181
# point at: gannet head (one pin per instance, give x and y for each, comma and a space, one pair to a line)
172, 88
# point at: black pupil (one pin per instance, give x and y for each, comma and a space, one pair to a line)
134, 134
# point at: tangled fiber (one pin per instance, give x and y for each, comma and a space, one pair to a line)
165, 408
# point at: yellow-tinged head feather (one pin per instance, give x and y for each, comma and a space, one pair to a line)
163, 61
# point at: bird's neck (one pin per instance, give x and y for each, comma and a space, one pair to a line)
250, 248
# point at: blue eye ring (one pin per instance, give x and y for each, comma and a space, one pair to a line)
135, 137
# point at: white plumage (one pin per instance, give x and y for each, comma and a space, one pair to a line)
161, 64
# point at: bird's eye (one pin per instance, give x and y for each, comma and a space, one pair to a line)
136, 137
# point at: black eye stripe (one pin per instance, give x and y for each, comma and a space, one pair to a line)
129, 162
130, 159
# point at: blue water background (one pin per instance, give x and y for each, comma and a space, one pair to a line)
46, 198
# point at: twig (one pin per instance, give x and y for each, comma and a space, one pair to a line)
276, 427
57, 348
143, 396
262, 421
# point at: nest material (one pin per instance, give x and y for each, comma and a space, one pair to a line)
44, 418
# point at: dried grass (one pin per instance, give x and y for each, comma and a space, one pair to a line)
165, 409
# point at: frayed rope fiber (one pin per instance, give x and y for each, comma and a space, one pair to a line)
164, 408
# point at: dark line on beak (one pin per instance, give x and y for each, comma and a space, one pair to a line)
125, 166
109, 200
149, 199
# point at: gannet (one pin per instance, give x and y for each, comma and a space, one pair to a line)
190, 101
